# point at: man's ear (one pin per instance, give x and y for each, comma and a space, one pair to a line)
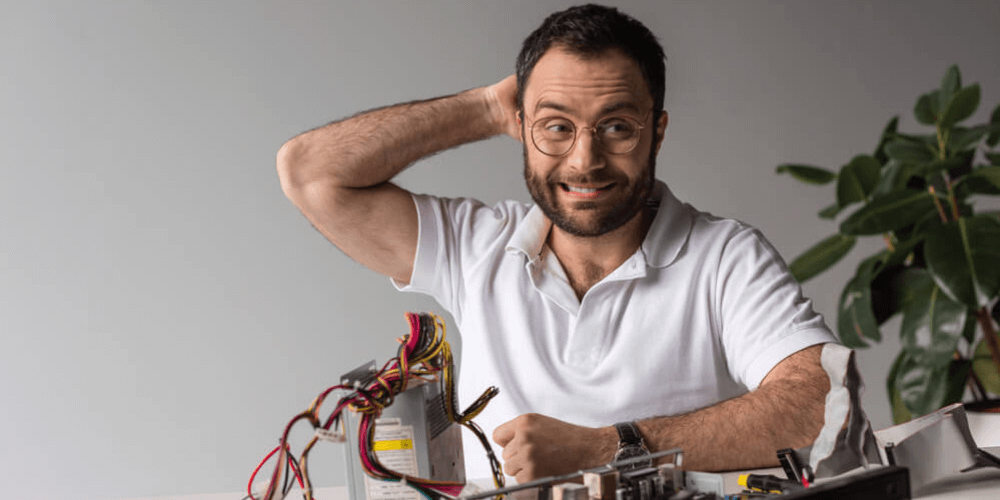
661, 128
520, 126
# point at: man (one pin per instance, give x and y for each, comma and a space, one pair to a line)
606, 302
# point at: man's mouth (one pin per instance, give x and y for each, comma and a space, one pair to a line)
584, 191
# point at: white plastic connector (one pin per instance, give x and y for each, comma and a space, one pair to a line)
331, 436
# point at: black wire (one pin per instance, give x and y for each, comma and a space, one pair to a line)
288, 473
494, 463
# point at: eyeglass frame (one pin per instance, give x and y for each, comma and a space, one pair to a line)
593, 131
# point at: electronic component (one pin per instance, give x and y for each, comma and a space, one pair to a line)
878, 483
419, 381
413, 437
768, 483
607, 482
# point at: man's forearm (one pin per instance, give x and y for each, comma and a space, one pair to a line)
372, 147
787, 410
745, 432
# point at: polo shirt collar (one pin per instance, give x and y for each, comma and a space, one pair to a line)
530, 236
667, 234
670, 228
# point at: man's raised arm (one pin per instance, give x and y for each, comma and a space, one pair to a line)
338, 175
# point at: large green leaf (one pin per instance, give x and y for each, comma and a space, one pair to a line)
935, 166
889, 212
821, 256
894, 176
964, 258
925, 139
900, 413
962, 105
984, 368
994, 158
983, 180
856, 322
857, 179
887, 133
950, 83
994, 137
989, 174
932, 321
925, 386
808, 173
964, 138
830, 212
909, 152
925, 109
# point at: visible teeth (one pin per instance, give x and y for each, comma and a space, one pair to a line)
580, 190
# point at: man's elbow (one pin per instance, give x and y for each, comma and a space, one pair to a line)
289, 164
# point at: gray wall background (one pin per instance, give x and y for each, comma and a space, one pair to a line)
164, 311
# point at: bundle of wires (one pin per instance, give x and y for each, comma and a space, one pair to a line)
423, 354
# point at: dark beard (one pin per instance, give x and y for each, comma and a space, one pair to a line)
541, 193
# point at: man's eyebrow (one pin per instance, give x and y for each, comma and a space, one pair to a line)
620, 105
610, 108
550, 105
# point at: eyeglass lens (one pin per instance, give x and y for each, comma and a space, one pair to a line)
556, 135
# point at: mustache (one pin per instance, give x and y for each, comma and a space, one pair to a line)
598, 177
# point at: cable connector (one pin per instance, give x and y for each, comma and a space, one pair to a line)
330, 436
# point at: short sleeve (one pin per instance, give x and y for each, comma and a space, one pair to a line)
453, 235
764, 316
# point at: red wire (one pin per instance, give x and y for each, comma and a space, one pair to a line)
261, 464
395, 371
295, 468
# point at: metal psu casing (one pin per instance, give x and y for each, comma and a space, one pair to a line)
413, 436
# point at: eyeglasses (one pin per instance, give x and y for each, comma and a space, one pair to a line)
555, 136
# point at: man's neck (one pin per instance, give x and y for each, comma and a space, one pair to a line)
588, 259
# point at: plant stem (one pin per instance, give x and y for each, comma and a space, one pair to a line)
937, 203
951, 194
888, 242
986, 323
942, 144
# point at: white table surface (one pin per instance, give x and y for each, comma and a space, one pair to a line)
977, 485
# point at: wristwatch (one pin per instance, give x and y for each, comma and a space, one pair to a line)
631, 445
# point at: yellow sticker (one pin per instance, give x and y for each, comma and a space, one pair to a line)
394, 444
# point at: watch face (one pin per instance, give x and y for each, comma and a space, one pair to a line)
629, 451
632, 451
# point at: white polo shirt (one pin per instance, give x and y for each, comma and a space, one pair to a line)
699, 314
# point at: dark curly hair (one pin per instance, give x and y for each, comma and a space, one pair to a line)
590, 30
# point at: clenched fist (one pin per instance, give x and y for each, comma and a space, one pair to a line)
536, 446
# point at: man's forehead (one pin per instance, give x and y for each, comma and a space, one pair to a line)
563, 79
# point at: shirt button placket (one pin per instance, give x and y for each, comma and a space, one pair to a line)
588, 336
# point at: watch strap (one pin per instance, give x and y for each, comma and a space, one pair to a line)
628, 434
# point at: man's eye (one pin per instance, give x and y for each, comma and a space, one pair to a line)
557, 125
617, 127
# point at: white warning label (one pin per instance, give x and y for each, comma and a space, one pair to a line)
394, 448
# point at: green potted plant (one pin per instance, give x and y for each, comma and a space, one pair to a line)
940, 265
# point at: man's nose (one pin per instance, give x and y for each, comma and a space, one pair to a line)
587, 153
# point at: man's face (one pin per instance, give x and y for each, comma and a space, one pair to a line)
589, 191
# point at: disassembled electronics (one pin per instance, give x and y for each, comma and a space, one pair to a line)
420, 383
402, 443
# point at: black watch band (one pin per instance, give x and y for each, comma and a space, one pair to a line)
631, 445
628, 434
